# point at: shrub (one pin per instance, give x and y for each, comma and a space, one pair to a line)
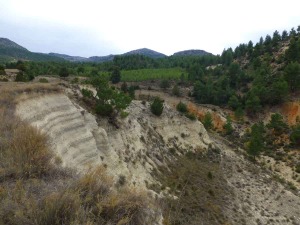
109, 101
115, 75
157, 106
43, 80
131, 92
176, 91
122, 180
191, 116
104, 109
124, 114
124, 87
207, 121
75, 80
277, 124
59, 208
164, 84
295, 136
239, 114
25, 153
63, 72
181, 107
21, 77
228, 126
87, 93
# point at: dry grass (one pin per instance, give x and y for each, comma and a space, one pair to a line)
25, 153
197, 180
87, 200
33, 190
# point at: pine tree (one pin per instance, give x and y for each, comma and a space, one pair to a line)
228, 126
277, 124
256, 144
292, 76
253, 105
115, 75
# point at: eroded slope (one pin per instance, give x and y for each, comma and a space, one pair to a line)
142, 142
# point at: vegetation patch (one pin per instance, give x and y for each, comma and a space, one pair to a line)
200, 187
152, 74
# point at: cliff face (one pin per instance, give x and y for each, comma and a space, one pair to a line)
133, 151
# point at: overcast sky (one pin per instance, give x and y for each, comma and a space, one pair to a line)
97, 27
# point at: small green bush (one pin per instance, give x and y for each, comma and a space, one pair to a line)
124, 114
43, 80
21, 77
164, 84
191, 116
176, 91
75, 80
157, 106
295, 136
181, 107
87, 93
207, 121
104, 109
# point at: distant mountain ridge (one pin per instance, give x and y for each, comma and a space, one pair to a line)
192, 52
101, 59
68, 57
10, 51
142, 51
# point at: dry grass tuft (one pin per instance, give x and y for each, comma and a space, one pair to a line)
24, 151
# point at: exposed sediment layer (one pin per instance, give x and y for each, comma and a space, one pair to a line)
142, 142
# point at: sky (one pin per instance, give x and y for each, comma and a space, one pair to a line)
102, 27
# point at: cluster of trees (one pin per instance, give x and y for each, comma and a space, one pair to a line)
263, 138
108, 101
128, 62
251, 77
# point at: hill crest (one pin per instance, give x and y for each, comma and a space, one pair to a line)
192, 52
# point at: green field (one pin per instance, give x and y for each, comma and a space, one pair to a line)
152, 74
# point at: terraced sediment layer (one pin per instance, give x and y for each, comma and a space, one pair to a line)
142, 142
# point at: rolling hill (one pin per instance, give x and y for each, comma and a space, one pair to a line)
69, 58
99, 59
146, 52
192, 52
11, 51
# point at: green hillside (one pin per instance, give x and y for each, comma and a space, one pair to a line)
10, 51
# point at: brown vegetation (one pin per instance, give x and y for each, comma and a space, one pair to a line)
292, 112
197, 181
200, 113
